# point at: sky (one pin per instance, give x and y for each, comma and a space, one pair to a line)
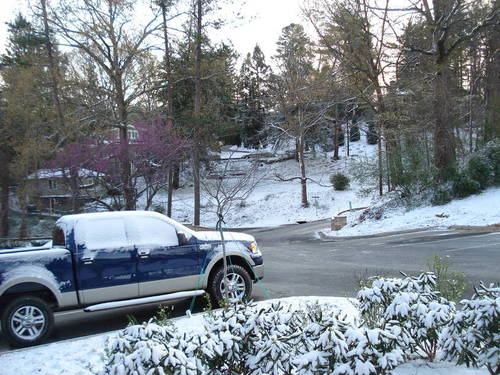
263, 22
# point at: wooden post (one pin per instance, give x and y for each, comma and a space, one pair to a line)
338, 222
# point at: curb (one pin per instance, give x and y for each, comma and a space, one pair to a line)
324, 236
487, 228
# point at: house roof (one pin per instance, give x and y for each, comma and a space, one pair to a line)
61, 173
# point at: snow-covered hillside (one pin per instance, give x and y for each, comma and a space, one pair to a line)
477, 210
274, 202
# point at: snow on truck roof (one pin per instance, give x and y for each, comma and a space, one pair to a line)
70, 220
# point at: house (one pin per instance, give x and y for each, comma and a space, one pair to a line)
54, 190
133, 133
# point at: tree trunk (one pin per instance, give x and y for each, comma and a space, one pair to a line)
52, 66
380, 129
492, 124
170, 190
126, 169
4, 213
23, 229
197, 115
336, 135
167, 66
169, 97
73, 181
176, 184
348, 137
444, 140
302, 165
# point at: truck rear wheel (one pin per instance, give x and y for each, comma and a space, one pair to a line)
239, 284
27, 321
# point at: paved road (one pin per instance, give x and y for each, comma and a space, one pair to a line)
298, 264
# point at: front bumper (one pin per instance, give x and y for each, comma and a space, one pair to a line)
258, 271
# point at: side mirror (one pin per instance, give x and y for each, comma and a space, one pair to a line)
183, 240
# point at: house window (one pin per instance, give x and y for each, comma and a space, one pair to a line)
133, 134
52, 184
87, 182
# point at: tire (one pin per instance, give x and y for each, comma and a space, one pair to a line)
239, 280
27, 321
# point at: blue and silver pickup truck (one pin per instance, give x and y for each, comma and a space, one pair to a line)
107, 260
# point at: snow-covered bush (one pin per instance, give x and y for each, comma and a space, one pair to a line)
442, 195
493, 154
473, 336
480, 169
138, 347
339, 181
464, 185
410, 305
253, 340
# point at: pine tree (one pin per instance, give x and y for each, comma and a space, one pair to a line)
252, 89
292, 89
28, 118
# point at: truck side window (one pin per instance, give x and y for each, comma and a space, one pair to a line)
58, 237
148, 231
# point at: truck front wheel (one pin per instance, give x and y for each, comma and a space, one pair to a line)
239, 284
27, 321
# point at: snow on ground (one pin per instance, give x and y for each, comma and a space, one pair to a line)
477, 210
275, 202
85, 356
421, 367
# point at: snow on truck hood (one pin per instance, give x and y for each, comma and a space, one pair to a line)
228, 236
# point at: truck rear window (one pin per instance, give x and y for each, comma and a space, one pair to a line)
58, 237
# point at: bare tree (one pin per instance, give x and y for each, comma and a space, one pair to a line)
346, 31
102, 30
448, 26
224, 188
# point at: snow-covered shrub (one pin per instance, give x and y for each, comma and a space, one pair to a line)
473, 336
339, 181
137, 348
410, 305
464, 185
256, 340
480, 169
442, 195
493, 154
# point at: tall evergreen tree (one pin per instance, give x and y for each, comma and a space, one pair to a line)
28, 126
293, 90
253, 92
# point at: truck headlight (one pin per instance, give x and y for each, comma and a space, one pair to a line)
253, 248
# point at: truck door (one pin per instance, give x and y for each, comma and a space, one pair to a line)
106, 260
163, 265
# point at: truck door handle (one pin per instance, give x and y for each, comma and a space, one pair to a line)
87, 261
143, 255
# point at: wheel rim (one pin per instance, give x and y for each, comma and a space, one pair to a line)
236, 287
27, 322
